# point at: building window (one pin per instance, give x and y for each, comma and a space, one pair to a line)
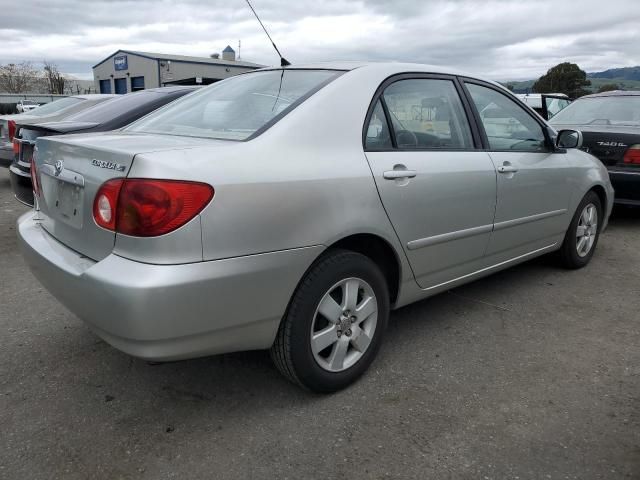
105, 86
137, 83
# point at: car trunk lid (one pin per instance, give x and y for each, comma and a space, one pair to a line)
70, 171
607, 143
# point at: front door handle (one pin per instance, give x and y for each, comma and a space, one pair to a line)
507, 169
399, 173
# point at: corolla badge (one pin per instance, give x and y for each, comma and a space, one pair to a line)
109, 165
58, 166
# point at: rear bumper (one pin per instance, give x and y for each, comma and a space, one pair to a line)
6, 154
169, 312
626, 185
21, 185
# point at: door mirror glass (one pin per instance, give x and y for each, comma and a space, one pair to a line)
569, 139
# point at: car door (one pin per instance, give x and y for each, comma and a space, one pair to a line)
534, 187
437, 188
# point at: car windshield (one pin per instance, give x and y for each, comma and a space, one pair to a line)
618, 110
55, 106
113, 108
28, 102
235, 108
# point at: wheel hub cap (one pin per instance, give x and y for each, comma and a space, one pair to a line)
344, 324
586, 230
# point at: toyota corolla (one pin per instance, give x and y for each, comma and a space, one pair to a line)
292, 208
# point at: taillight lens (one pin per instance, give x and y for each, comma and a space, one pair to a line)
147, 208
11, 128
16, 146
106, 202
632, 155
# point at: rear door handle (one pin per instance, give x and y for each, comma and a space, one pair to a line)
395, 174
507, 169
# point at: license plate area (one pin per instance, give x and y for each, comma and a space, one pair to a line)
64, 197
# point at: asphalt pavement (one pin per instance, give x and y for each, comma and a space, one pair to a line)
532, 373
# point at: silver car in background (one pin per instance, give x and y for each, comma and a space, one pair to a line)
291, 208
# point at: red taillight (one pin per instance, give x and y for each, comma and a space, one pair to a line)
147, 208
11, 128
632, 155
106, 203
16, 146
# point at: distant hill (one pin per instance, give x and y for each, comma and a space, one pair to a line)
627, 78
627, 73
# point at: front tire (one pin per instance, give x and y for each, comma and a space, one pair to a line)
582, 236
335, 322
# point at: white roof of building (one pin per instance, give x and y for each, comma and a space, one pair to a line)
184, 58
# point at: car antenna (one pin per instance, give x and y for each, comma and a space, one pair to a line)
283, 61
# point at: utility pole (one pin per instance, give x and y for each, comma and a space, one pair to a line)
239, 45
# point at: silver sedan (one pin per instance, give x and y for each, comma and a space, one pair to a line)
292, 208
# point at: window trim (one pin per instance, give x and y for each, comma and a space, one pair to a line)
476, 139
483, 134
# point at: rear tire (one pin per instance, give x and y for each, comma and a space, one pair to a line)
582, 236
335, 322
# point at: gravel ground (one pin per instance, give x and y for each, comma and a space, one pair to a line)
533, 373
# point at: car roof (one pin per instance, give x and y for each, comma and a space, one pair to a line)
91, 96
172, 89
615, 93
390, 67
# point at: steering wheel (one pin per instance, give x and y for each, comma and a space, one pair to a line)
407, 134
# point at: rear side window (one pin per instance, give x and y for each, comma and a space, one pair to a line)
507, 125
378, 136
427, 114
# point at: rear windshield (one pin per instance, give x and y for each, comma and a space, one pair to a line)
234, 109
28, 102
113, 108
622, 110
56, 106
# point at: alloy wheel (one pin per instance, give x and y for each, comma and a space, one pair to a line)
587, 230
344, 324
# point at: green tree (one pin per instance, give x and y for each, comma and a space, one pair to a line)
608, 87
565, 78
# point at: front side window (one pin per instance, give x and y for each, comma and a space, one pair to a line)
426, 114
507, 125
234, 109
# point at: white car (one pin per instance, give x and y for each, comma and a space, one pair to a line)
546, 104
26, 106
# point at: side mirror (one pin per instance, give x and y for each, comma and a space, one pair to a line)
569, 139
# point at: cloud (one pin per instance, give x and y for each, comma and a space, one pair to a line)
500, 39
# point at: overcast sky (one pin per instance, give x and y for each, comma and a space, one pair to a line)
499, 39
